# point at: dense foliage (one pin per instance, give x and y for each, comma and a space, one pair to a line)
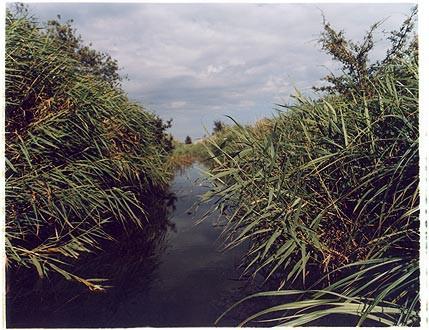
185, 154
79, 154
218, 126
188, 140
327, 193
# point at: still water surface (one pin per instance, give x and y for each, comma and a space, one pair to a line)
180, 278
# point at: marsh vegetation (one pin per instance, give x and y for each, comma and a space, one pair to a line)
79, 155
327, 192
321, 200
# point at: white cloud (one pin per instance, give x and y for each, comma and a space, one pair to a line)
177, 104
246, 103
213, 69
196, 62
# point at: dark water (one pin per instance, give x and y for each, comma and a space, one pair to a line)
171, 274
177, 277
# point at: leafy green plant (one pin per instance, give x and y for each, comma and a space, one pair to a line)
331, 190
79, 154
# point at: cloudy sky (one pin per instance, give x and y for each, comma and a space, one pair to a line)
196, 63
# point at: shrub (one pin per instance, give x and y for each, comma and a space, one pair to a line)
188, 140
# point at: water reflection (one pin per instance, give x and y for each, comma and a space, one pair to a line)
170, 274
129, 261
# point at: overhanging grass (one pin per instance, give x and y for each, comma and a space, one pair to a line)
330, 189
79, 154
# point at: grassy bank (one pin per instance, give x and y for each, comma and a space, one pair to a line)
208, 149
327, 193
185, 155
79, 154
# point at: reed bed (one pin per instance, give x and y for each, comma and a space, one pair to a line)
327, 198
79, 154
184, 155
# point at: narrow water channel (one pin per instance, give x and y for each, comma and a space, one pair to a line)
180, 278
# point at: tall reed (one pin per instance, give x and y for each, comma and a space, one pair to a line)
328, 200
79, 154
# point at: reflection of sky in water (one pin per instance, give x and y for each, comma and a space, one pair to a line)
194, 279
179, 280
